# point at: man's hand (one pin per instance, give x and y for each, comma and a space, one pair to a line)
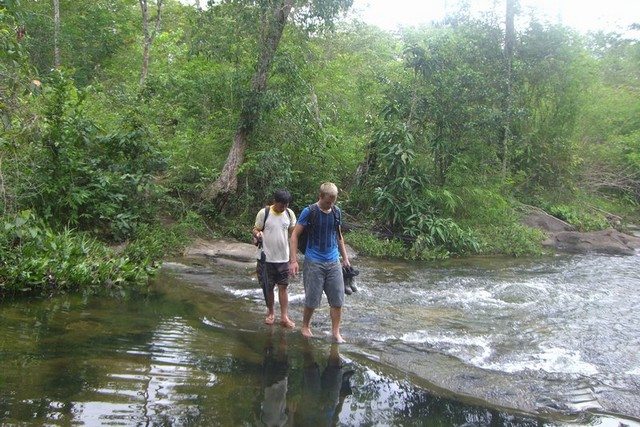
293, 268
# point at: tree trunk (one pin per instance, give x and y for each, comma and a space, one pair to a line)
148, 37
56, 33
509, 42
273, 27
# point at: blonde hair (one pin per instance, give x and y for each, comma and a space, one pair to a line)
328, 189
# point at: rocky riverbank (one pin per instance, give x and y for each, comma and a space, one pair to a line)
563, 237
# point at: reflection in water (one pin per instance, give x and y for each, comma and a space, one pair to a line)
322, 394
275, 370
319, 399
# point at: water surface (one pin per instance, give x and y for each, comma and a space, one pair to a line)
498, 342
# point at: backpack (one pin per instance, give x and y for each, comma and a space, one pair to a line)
267, 209
303, 238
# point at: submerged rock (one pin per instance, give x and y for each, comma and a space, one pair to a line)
225, 252
231, 253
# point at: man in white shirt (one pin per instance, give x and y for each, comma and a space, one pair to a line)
272, 227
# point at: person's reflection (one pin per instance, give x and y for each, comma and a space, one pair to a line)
322, 394
275, 368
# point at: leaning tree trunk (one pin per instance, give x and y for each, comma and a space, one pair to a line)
273, 26
148, 37
56, 33
509, 42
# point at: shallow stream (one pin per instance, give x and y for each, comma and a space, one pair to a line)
465, 342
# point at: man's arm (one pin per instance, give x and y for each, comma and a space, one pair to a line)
293, 249
342, 248
256, 231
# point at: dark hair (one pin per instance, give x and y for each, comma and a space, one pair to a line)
282, 196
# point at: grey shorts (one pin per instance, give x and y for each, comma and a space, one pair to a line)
326, 277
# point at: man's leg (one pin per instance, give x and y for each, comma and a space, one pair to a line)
336, 316
270, 285
312, 279
306, 320
271, 316
334, 288
284, 307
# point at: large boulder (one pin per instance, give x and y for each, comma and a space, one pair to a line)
545, 222
563, 237
608, 241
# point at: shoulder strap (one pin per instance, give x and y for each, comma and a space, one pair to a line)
337, 214
266, 215
313, 213
289, 213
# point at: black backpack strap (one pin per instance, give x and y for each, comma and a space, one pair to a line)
337, 215
313, 215
266, 215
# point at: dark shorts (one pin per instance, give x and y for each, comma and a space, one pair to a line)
273, 273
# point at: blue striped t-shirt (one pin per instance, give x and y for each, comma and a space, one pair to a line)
322, 244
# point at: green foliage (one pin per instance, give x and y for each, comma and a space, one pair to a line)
90, 33
153, 242
580, 218
403, 200
38, 260
551, 74
399, 181
409, 127
440, 233
86, 180
370, 245
453, 102
609, 123
14, 66
510, 239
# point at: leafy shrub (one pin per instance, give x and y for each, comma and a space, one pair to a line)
152, 242
434, 232
579, 218
370, 245
89, 181
35, 259
510, 239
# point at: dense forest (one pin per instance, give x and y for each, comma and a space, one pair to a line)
129, 128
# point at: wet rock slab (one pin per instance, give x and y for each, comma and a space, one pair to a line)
225, 252
231, 253
563, 237
610, 241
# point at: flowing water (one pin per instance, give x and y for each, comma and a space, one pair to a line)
466, 342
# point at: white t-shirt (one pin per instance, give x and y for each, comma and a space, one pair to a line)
275, 236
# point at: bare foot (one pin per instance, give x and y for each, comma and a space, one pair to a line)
270, 319
338, 339
287, 323
306, 332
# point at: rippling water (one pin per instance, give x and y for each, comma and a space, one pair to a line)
558, 335
473, 342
